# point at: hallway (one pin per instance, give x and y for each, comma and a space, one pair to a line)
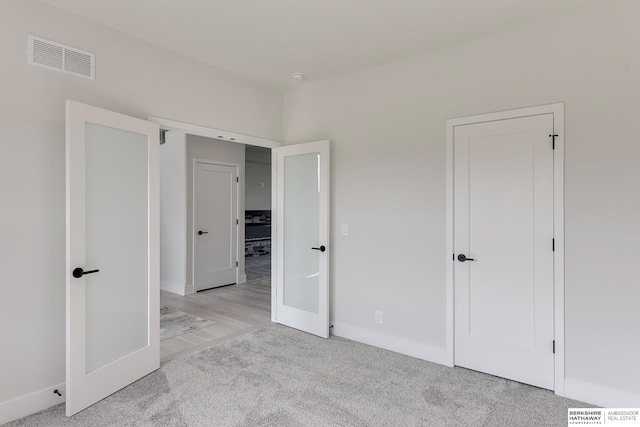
236, 309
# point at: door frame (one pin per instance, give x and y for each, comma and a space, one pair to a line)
238, 138
193, 215
557, 110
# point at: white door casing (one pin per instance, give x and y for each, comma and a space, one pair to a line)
215, 232
302, 247
112, 208
505, 211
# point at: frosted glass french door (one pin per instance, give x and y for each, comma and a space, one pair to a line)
112, 253
302, 237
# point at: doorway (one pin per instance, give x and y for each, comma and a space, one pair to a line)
505, 243
183, 157
209, 314
286, 177
257, 215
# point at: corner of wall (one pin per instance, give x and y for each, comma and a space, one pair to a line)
173, 287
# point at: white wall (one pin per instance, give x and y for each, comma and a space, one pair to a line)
173, 213
132, 77
199, 147
387, 125
257, 181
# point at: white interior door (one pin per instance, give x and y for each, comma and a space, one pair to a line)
215, 225
302, 237
503, 225
112, 263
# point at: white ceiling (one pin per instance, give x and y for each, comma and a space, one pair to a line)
267, 40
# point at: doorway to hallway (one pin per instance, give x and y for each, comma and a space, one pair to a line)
302, 177
246, 305
257, 215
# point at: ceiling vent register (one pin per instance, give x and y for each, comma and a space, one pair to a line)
60, 57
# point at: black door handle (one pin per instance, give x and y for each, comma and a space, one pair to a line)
79, 272
463, 258
321, 249
202, 232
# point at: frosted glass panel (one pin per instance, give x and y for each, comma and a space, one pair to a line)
116, 243
301, 232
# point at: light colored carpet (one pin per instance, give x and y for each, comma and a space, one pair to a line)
278, 376
174, 323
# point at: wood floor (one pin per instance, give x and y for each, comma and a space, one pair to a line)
236, 309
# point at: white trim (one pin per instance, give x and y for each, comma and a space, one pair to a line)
509, 114
214, 133
189, 289
31, 403
411, 348
558, 256
449, 246
558, 188
605, 397
274, 231
193, 218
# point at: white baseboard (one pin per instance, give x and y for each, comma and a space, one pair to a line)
242, 278
173, 287
31, 403
598, 395
189, 289
389, 342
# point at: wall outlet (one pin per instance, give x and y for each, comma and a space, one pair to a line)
378, 316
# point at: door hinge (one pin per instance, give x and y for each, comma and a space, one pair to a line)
237, 179
236, 263
553, 140
553, 245
554, 346
237, 222
163, 137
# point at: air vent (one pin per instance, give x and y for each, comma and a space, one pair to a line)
56, 56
